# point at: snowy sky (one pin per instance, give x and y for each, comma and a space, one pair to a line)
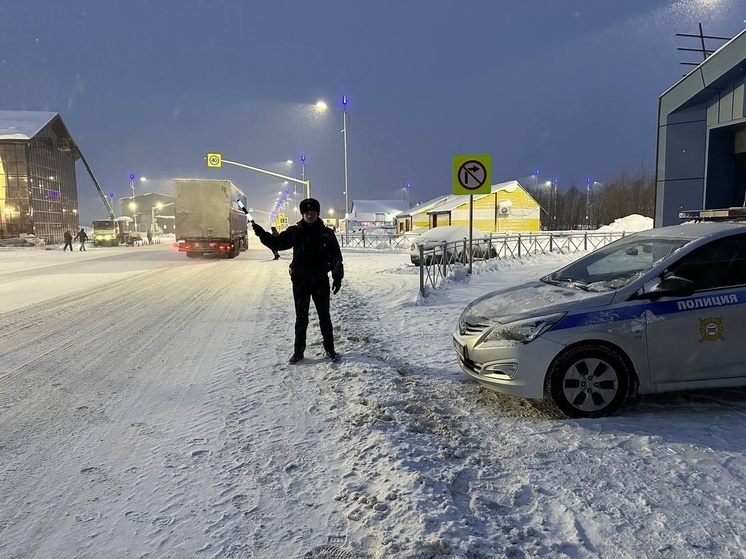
146, 410
568, 88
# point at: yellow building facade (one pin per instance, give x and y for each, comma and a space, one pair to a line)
509, 208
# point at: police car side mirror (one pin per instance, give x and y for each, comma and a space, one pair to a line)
672, 286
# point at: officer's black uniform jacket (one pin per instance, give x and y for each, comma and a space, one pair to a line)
315, 250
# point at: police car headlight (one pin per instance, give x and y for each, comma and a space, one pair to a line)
522, 331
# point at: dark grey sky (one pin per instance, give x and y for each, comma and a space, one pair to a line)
568, 87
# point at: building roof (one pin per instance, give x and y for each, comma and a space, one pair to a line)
451, 201
425, 206
457, 200
23, 125
720, 68
379, 206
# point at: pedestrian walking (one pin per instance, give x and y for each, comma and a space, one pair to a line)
275, 232
68, 241
149, 235
82, 237
315, 253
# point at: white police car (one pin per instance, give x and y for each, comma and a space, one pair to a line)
656, 311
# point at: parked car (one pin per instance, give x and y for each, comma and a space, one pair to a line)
454, 235
660, 310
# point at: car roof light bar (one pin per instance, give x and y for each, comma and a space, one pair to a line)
714, 214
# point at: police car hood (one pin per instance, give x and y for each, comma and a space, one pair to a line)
532, 299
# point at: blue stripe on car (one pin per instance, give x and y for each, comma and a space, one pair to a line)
658, 308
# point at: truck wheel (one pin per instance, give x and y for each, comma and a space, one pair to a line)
588, 381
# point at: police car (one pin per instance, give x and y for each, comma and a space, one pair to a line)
656, 311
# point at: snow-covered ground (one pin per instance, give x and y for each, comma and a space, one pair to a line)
147, 410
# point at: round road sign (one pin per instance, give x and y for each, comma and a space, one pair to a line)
472, 174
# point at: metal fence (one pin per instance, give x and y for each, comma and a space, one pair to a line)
361, 240
438, 263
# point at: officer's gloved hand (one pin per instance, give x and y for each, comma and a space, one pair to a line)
336, 285
258, 229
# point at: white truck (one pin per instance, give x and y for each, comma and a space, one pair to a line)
209, 219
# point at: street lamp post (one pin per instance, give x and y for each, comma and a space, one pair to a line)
295, 189
159, 206
554, 195
322, 106
548, 186
133, 205
347, 189
307, 184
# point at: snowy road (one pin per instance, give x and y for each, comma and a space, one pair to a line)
147, 410
143, 395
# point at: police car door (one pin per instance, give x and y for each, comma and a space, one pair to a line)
702, 337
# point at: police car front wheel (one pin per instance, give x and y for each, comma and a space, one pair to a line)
587, 381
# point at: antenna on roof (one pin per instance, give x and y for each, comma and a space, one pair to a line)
702, 49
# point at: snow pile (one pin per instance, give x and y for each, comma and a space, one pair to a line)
629, 224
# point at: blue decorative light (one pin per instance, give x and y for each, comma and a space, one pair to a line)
132, 176
344, 100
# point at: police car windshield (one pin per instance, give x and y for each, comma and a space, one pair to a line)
615, 265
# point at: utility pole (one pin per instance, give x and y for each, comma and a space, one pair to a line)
134, 204
405, 188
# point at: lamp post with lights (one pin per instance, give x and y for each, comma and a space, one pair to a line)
216, 160
347, 188
345, 123
133, 205
158, 207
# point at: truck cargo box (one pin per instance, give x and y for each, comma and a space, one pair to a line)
208, 218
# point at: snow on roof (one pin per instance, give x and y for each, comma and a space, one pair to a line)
23, 125
457, 200
379, 206
451, 201
419, 208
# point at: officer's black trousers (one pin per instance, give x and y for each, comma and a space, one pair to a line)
303, 291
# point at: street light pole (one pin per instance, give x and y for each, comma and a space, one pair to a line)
307, 184
134, 204
347, 190
296, 216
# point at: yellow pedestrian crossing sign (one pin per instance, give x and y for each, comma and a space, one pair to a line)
472, 174
214, 160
